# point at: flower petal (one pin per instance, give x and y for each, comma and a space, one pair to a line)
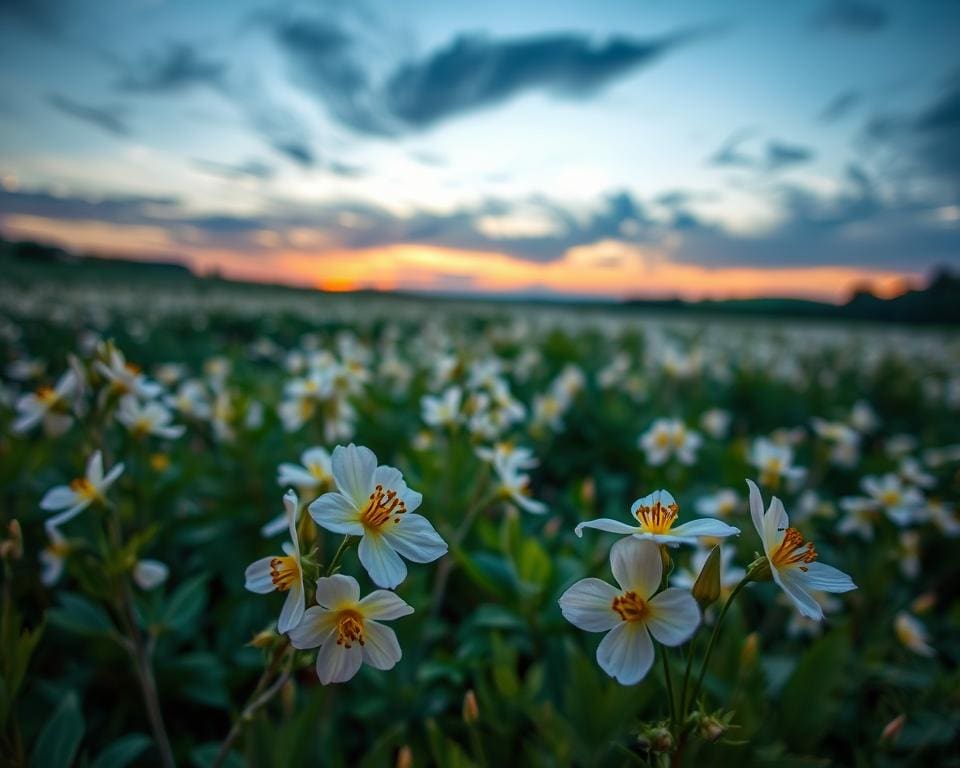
673, 616
705, 527
827, 578
637, 566
383, 605
315, 628
337, 590
775, 523
94, 471
57, 520
626, 652
293, 608
797, 592
415, 538
382, 563
337, 514
381, 649
756, 507
149, 574
337, 663
588, 605
258, 578
59, 497
606, 524
353, 468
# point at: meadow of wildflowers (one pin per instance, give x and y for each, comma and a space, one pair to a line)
278, 528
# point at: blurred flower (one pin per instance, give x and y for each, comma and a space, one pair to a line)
656, 513
81, 493
150, 574
716, 422
775, 463
909, 554
151, 418
863, 418
312, 474
348, 630
442, 410
282, 573
944, 517
913, 634
844, 441
125, 378
508, 463
49, 405
374, 502
53, 558
901, 503
633, 613
669, 437
721, 504
792, 562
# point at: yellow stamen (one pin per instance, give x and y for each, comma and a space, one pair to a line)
47, 395
383, 506
630, 606
658, 518
283, 572
350, 629
793, 550
84, 488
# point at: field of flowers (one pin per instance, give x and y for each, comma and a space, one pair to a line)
278, 528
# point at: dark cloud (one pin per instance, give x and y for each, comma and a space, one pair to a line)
299, 153
730, 155
840, 106
780, 155
475, 71
126, 209
472, 72
175, 68
40, 16
106, 118
853, 16
250, 169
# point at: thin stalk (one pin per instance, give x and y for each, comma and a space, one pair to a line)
668, 680
686, 675
445, 568
716, 631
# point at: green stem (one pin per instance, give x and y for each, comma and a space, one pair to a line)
668, 680
339, 554
686, 674
716, 631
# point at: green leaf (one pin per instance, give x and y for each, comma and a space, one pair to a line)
79, 615
122, 752
533, 566
809, 700
58, 742
204, 755
186, 604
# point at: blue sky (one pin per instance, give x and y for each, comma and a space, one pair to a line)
608, 148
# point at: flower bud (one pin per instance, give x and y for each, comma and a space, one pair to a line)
264, 639
924, 603
748, 654
405, 757
12, 548
759, 570
471, 711
711, 728
706, 589
661, 740
891, 731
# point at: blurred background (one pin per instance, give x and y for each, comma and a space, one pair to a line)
607, 150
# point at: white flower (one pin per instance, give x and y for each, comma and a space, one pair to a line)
148, 419
669, 437
374, 502
190, 400
150, 574
442, 410
348, 629
631, 614
902, 504
126, 378
793, 562
309, 477
80, 494
860, 516
912, 634
656, 513
53, 558
844, 441
944, 517
49, 405
509, 463
775, 462
716, 422
722, 504
283, 573
863, 418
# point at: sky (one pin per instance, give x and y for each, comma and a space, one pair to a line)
603, 149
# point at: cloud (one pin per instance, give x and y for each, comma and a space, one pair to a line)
175, 68
475, 71
254, 169
840, 106
853, 16
300, 153
471, 72
780, 155
777, 154
106, 118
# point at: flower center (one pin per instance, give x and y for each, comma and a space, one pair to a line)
629, 606
350, 629
283, 572
662, 440
793, 550
890, 498
383, 506
658, 518
47, 395
84, 488
318, 472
